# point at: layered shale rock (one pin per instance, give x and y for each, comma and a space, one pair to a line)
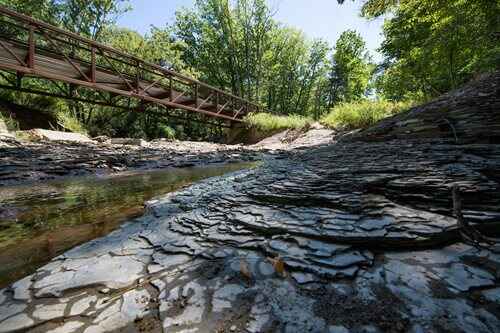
468, 114
204, 259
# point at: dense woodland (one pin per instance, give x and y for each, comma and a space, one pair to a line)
430, 47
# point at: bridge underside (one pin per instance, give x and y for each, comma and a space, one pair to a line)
33, 49
121, 104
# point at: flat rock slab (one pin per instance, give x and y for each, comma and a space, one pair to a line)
127, 141
43, 134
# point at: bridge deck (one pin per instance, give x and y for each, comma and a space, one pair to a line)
36, 49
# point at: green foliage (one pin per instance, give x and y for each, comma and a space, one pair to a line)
226, 43
89, 17
85, 17
40, 9
69, 122
267, 122
235, 45
362, 114
351, 70
432, 46
156, 47
166, 132
375, 8
240, 47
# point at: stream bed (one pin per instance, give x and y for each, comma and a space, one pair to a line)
41, 220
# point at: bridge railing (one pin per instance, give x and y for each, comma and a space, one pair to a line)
98, 66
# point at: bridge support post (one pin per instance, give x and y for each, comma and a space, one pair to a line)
196, 90
92, 64
19, 80
236, 133
31, 47
170, 89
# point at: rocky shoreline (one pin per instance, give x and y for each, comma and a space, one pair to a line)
45, 158
25, 161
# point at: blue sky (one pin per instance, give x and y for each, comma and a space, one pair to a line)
317, 18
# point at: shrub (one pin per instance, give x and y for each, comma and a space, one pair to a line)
166, 132
362, 114
268, 122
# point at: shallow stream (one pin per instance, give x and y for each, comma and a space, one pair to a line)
42, 220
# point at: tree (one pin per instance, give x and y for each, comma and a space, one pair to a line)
227, 43
89, 18
375, 8
350, 70
237, 45
431, 47
85, 17
314, 70
157, 46
40, 9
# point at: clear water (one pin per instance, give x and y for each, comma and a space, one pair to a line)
42, 220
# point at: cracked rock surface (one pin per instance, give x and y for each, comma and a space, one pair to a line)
367, 245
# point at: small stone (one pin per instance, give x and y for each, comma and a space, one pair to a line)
492, 295
375, 224
266, 268
337, 329
303, 278
3, 296
128, 141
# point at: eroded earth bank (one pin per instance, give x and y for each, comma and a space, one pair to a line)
354, 236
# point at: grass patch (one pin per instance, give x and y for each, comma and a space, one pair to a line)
11, 124
269, 122
69, 122
362, 114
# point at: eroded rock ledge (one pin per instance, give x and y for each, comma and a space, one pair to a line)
466, 115
346, 221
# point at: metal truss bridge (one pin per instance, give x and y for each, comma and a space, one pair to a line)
31, 48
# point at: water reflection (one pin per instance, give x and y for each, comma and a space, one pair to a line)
40, 221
